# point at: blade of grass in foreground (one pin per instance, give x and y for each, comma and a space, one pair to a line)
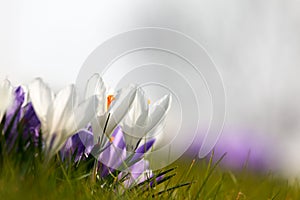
209, 172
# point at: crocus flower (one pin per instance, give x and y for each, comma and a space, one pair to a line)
30, 123
13, 115
14, 110
137, 173
111, 109
6, 97
133, 166
145, 119
113, 156
22, 116
60, 115
81, 143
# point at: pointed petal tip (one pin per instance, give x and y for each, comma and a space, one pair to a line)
164, 102
95, 77
38, 80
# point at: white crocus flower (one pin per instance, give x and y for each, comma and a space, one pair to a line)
111, 109
6, 97
145, 120
60, 115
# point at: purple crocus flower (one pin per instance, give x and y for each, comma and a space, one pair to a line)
113, 156
30, 123
140, 151
23, 116
15, 110
80, 143
137, 173
13, 115
135, 167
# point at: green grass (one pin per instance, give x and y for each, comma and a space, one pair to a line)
197, 179
25, 173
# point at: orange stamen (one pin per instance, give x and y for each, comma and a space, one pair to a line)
111, 139
110, 99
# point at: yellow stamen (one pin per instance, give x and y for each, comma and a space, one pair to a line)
149, 101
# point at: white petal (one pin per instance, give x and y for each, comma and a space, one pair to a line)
26, 94
140, 108
96, 126
120, 106
67, 117
60, 119
158, 113
60, 115
85, 112
135, 122
6, 97
96, 86
41, 97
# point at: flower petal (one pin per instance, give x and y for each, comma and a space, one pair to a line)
6, 96
138, 173
120, 107
85, 112
81, 143
142, 149
41, 97
157, 114
135, 122
115, 154
95, 86
59, 117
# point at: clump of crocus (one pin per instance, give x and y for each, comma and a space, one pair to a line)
42, 127
115, 149
113, 159
60, 114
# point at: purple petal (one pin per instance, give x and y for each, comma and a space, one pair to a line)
103, 170
81, 143
138, 168
14, 111
117, 138
30, 122
158, 179
137, 173
114, 155
17, 103
142, 150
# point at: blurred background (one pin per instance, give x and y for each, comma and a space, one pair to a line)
255, 44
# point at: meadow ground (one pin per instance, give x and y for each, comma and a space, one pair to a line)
187, 179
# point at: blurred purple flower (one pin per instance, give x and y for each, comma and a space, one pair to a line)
242, 147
